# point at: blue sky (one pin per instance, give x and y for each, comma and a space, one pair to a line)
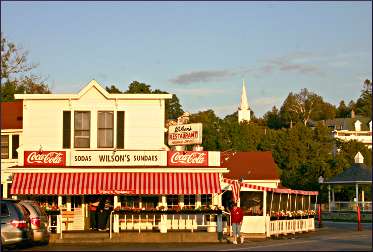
199, 51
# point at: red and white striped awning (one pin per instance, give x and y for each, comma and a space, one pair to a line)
115, 183
236, 187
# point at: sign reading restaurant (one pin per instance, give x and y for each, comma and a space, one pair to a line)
118, 158
185, 134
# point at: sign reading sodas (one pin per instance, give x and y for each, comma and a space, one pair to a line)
45, 158
187, 158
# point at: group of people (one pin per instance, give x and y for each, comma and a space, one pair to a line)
99, 213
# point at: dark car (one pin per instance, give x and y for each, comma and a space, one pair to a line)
39, 221
15, 223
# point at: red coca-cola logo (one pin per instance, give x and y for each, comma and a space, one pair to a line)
45, 158
187, 158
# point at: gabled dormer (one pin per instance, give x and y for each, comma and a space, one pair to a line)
357, 125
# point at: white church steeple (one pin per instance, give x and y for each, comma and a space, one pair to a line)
243, 110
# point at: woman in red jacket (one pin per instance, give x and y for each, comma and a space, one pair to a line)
236, 217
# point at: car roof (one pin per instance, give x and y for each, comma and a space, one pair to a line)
10, 200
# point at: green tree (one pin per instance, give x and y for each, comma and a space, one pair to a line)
351, 106
138, 88
173, 106
364, 103
113, 90
324, 111
342, 110
211, 129
15, 72
273, 119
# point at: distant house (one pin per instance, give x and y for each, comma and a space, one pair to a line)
354, 128
11, 139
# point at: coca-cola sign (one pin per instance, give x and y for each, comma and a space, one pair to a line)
45, 158
187, 158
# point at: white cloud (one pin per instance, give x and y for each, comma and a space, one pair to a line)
199, 91
267, 101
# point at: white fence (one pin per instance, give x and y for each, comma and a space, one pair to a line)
164, 222
284, 227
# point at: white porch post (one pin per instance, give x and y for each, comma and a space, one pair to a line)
329, 197
59, 204
362, 198
116, 216
68, 203
164, 201
357, 194
5, 190
264, 203
163, 223
219, 198
333, 198
181, 201
215, 199
198, 200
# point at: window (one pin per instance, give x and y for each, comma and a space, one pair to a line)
66, 129
82, 121
149, 202
130, 201
189, 201
206, 200
15, 145
4, 147
120, 129
172, 201
105, 132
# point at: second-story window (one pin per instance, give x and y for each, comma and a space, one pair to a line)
15, 145
4, 146
82, 122
105, 130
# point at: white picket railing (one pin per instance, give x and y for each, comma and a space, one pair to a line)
284, 227
164, 222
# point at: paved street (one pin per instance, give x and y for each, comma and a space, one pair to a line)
333, 236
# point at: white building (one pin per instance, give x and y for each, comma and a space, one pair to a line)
356, 127
77, 148
11, 138
243, 109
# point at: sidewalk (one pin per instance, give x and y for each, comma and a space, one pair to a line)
143, 237
135, 237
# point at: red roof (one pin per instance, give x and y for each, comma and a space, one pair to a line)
11, 115
253, 165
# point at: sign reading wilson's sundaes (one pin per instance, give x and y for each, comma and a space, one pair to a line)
185, 134
119, 158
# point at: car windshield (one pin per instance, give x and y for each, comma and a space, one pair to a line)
40, 211
22, 211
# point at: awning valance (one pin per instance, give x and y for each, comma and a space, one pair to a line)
236, 187
115, 183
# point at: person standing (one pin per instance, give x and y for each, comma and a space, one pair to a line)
237, 217
93, 215
101, 216
107, 210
